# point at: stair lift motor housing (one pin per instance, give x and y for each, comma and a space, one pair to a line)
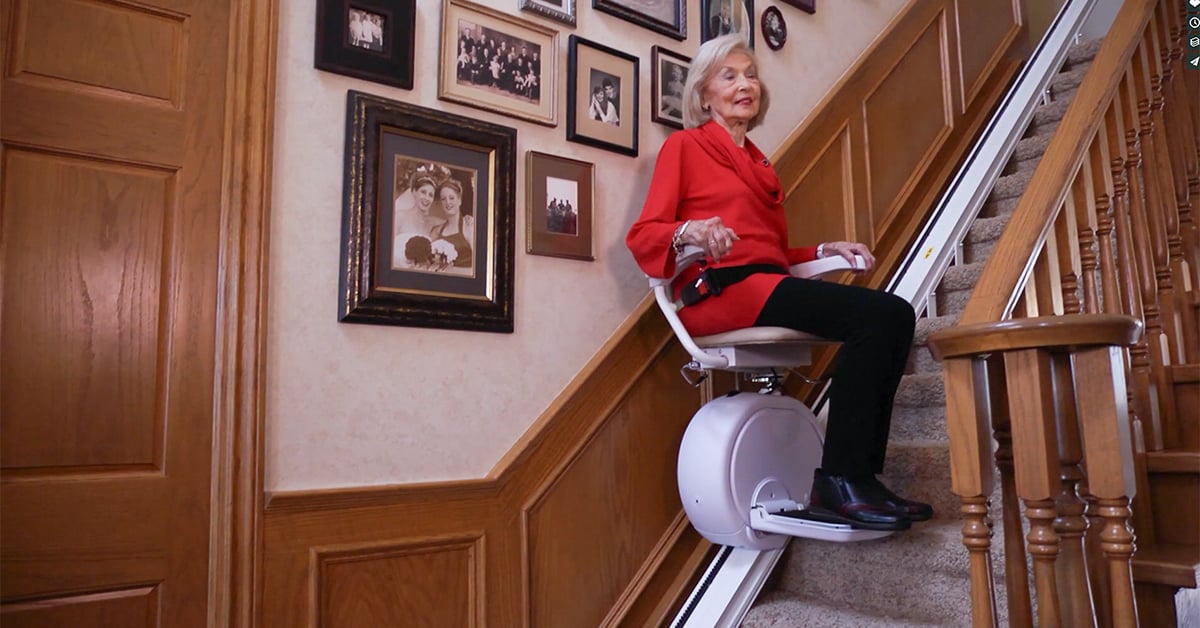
743, 450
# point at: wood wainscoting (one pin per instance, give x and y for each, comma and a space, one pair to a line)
581, 524
871, 160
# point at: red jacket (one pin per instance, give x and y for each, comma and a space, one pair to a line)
701, 173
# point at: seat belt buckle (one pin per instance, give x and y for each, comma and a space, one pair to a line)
703, 286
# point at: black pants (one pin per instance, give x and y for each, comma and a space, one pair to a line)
876, 332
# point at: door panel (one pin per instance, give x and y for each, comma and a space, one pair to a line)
113, 132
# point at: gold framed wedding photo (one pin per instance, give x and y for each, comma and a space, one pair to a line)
427, 218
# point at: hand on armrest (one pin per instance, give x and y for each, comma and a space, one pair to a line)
820, 267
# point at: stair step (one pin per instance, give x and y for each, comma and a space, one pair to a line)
1030, 148
923, 362
982, 238
774, 610
986, 229
921, 389
1167, 563
1011, 185
928, 326
1173, 461
960, 277
876, 578
919, 423
1082, 53
1065, 83
996, 206
1046, 117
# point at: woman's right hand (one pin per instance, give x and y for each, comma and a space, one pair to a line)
711, 235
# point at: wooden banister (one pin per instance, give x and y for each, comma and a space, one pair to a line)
1063, 359
1064, 397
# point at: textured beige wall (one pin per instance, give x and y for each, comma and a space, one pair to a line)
351, 404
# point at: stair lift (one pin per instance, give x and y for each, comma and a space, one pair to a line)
746, 461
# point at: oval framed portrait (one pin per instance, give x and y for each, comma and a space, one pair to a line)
774, 29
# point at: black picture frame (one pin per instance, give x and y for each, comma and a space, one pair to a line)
808, 6
668, 73
669, 17
396, 155
563, 11
382, 53
592, 66
774, 28
739, 14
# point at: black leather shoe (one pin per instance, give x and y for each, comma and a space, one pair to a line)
917, 511
858, 501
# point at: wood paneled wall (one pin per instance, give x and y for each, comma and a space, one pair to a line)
870, 161
581, 525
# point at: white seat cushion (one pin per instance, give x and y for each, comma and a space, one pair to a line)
756, 336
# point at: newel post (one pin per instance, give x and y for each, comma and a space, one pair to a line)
1029, 351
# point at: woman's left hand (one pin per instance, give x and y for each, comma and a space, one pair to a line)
848, 250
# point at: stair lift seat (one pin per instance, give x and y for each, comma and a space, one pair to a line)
746, 460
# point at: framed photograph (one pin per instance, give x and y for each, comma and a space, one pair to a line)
668, 77
367, 39
498, 62
808, 6
558, 10
774, 29
721, 17
427, 218
668, 17
602, 96
558, 220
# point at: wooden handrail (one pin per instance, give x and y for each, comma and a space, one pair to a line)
1066, 332
1003, 278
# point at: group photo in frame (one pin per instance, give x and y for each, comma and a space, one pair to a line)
668, 17
498, 62
721, 17
559, 194
563, 11
369, 39
668, 75
427, 218
602, 96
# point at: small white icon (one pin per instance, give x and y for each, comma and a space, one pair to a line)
1195, 62
1194, 42
1194, 21
1195, 3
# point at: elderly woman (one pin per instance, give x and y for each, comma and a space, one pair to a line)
713, 188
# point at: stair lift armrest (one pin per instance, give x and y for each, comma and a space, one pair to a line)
818, 268
662, 294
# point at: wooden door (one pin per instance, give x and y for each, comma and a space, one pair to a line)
113, 130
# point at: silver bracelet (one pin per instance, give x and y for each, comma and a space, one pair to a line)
677, 237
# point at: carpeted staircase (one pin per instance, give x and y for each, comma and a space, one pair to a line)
918, 577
